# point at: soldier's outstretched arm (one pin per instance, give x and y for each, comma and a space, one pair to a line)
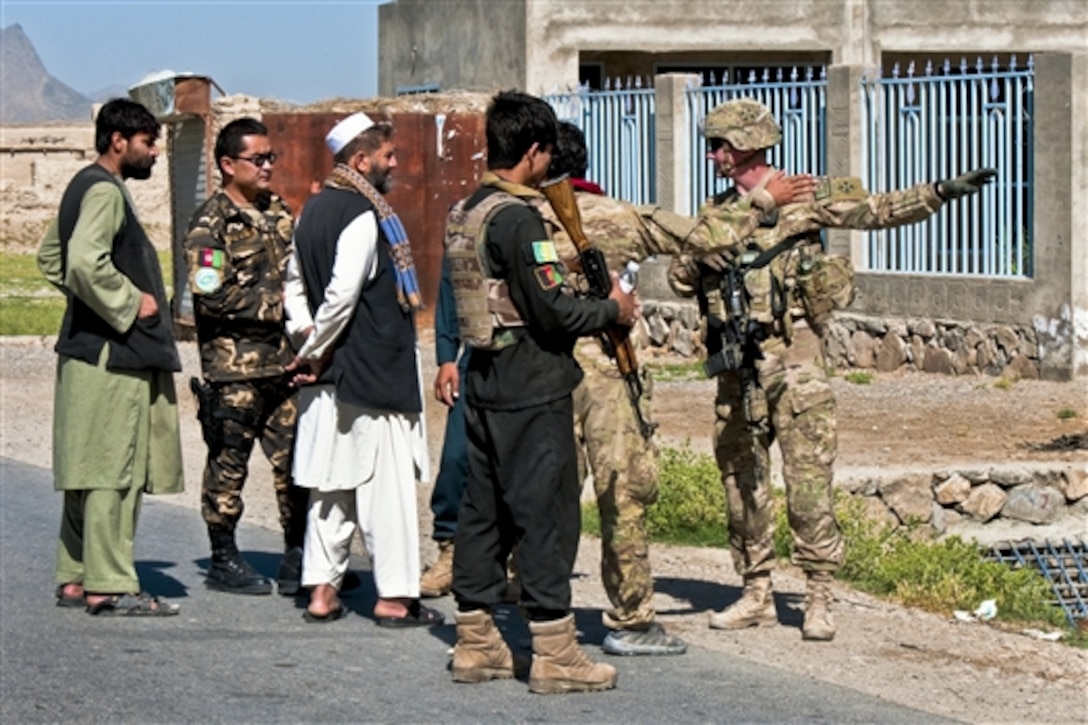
843, 202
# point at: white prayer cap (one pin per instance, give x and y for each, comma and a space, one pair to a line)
346, 130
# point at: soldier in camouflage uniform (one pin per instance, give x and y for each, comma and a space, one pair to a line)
787, 397
623, 463
237, 250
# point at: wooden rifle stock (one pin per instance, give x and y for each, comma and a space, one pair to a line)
616, 338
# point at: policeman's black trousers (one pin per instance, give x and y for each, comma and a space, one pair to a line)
522, 489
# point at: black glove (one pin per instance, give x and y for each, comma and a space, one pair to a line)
964, 184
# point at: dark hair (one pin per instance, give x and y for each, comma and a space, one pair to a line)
122, 116
516, 121
230, 141
368, 141
569, 156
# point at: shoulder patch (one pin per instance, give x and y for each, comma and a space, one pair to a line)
544, 252
207, 280
548, 276
839, 188
209, 257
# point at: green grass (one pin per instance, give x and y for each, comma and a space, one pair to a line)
31, 306
858, 377
1067, 414
904, 563
676, 372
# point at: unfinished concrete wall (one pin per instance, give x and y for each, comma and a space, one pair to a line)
474, 45
36, 164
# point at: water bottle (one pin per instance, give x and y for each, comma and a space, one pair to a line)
629, 277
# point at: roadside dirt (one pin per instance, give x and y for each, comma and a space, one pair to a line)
969, 672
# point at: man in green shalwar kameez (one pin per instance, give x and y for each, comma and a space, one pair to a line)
115, 424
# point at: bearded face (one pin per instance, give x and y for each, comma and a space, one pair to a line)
139, 157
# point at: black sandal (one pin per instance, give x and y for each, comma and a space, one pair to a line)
133, 605
418, 616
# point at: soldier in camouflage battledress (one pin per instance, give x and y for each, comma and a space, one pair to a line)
623, 463
237, 249
790, 400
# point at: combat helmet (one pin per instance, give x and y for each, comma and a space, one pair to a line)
745, 123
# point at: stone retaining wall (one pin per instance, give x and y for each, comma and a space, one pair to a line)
885, 345
1022, 493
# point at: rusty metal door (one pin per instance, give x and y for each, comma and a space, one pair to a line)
440, 158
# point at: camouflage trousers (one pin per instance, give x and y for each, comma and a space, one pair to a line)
624, 468
800, 409
247, 410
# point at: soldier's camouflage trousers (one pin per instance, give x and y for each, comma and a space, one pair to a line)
801, 410
247, 410
624, 468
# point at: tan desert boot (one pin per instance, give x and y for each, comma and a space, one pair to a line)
480, 653
755, 608
818, 625
437, 581
560, 665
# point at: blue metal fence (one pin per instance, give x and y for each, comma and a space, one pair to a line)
915, 128
798, 99
619, 127
935, 126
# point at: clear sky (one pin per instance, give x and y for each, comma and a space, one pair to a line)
292, 50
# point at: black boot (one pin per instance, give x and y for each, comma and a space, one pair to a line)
289, 577
229, 572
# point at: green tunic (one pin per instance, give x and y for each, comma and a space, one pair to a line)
111, 429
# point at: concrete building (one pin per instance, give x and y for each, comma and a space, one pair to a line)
543, 46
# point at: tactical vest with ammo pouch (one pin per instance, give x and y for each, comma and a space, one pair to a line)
485, 313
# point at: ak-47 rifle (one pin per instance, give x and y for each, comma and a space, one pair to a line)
615, 339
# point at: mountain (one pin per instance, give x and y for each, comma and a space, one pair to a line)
28, 94
104, 94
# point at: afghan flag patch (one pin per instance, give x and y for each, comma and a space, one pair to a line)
548, 276
211, 258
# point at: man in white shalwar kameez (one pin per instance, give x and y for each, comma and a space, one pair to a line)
351, 295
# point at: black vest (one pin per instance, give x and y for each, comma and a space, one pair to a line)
374, 363
148, 344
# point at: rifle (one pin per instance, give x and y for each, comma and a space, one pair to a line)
615, 339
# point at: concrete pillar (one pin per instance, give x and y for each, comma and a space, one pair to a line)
1078, 212
673, 148
844, 147
1054, 247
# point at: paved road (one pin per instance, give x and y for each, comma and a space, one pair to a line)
253, 659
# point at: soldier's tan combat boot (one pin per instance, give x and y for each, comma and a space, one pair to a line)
480, 653
560, 665
818, 625
755, 608
437, 581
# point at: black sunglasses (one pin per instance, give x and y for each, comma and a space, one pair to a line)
260, 160
716, 144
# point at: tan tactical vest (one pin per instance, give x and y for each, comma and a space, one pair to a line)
484, 310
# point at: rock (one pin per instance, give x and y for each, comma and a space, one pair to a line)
890, 354
909, 497
975, 475
659, 331
937, 360
860, 485
922, 328
953, 490
1009, 476
1007, 340
873, 509
1034, 503
1021, 367
681, 341
984, 502
864, 346
1074, 483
